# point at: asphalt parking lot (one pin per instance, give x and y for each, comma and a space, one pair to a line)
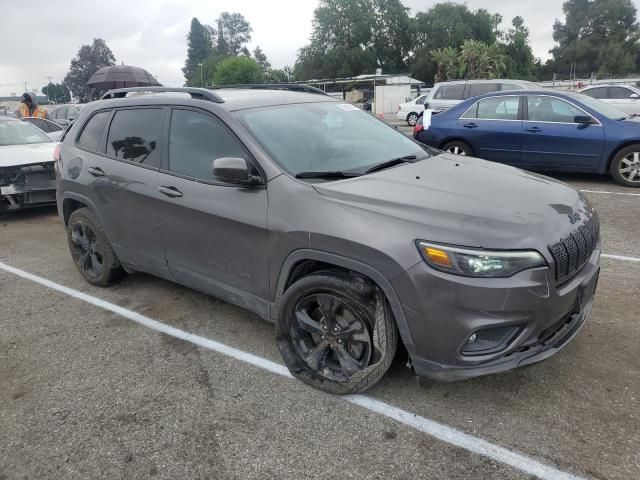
85, 392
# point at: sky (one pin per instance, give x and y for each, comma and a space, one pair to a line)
152, 34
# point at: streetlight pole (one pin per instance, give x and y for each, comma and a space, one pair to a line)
201, 81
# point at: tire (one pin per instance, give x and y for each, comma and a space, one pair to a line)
412, 119
458, 147
625, 166
91, 250
350, 359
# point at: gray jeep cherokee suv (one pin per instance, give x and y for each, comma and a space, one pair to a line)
347, 234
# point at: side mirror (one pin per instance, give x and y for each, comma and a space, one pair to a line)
234, 170
635, 96
583, 119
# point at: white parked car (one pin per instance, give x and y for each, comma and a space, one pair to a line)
51, 129
410, 111
623, 97
27, 176
449, 94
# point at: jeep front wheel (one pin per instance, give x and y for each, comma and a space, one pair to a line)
336, 332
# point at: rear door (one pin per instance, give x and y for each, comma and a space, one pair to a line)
121, 170
551, 138
493, 128
215, 234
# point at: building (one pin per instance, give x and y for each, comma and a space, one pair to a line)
386, 92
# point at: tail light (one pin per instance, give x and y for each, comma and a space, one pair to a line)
419, 126
56, 153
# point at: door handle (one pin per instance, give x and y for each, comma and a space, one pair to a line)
470, 125
534, 129
172, 192
96, 171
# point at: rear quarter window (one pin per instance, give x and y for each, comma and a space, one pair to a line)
91, 134
450, 92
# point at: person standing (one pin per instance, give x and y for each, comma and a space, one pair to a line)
29, 107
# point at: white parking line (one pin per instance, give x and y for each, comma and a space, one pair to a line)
603, 192
620, 257
437, 430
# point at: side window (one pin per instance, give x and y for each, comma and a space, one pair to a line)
53, 127
61, 113
600, 92
134, 136
72, 113
420, 100
92, 131
551, 109
619, 93
195, 140
450, 92
476, 89
495, 108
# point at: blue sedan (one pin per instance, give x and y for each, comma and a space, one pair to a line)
540, 130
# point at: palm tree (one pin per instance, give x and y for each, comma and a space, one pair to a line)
473, 57
447, 63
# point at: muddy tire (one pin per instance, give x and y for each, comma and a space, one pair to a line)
91, 250
335, 332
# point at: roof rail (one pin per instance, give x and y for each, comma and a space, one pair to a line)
198, 93
294, 87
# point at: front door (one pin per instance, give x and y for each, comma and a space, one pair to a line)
493, 129
215, 234
551, 138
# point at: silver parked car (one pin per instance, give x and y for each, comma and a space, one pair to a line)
348, 235
445, 95
623, 97
27, 176
65, 114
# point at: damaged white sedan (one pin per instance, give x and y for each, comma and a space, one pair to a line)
27, 176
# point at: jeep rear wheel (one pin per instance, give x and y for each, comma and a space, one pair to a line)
90, 249
336, 332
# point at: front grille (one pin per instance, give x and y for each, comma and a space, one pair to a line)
573, 251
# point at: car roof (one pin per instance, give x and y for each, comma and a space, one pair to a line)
598, 85
495, 80
230, 99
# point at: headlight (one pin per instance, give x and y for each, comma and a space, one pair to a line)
479, 263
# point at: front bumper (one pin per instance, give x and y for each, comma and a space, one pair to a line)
443, 311
31, 186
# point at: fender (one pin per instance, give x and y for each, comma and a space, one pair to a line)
79, 198
356, 266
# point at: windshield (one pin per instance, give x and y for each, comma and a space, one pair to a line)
602, 108
19, 133
323, 137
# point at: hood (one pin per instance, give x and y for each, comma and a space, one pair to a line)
15, 155
465, 201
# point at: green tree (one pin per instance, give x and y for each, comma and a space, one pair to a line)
446, 60
57, 92
234, 32
198, 49
448, 25
597, 36
88, 60
352, 37
519, 55
237, 70
261, 59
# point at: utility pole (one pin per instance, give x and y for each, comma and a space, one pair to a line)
48, 95
25, 87
201, 82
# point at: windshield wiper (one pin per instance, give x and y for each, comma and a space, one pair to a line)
327, 175
391, 163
